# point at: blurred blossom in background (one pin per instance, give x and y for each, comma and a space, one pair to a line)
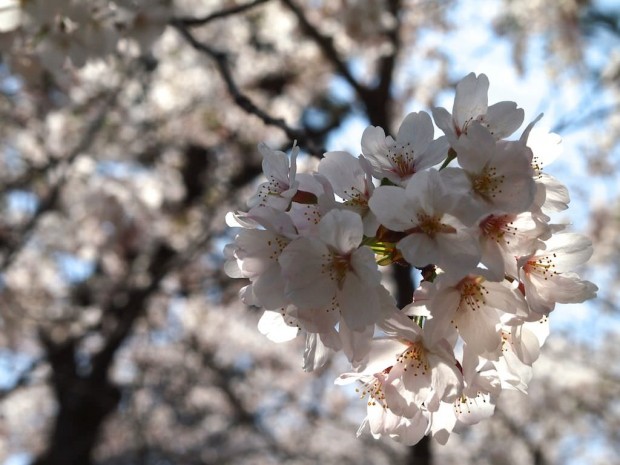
130, 128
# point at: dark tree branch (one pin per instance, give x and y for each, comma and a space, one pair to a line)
243, 101
194, 22
326, 44
376, 100
83, 403
87, 397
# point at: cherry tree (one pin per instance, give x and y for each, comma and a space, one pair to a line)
131, 129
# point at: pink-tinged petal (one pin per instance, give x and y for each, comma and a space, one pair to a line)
419, 249
269, 288
359, 303
459, 182
568, 288
316, 353
382, 421
356, 345
427, 192
246, 295
568, 251
476, 148
345, 174
556, 196
305, 266
275, 221
381, 356
493, 259
479, 329
504, 297
374, 145
460, 252
371, 223
539, 328
275, 163
525, 344
231, 268
257, 250
398, 325
392, 208
513, 373
443, 308
547, 146
443, 422
473, 410
471, 99
435, 153
316, 320
443, 120
407, 392
447, 380
272, 325
342, 230
331, 339
411, 430
538, 303
364, 266
503, 119
416, 130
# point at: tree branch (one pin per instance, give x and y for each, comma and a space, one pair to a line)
194, 22
326, 44
243, 101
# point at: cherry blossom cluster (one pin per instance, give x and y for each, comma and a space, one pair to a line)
470, 209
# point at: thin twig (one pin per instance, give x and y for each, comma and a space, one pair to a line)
194, 22
594, 117
326, 44
243, 101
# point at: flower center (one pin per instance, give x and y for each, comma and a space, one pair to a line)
431, 225
542, 266
414, 358
340, 266
401, 159
488, 184
496, 227
374, 390
472, 294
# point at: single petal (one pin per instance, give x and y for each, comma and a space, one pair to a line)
305, 266
342, 230
503, 119
272, 325
471, 99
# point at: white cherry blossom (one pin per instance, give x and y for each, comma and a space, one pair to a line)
413, 150
474, 307
547, 277
495, 176
471, 105
506, 236
423, 211
280, 187
332, 270
352, 183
